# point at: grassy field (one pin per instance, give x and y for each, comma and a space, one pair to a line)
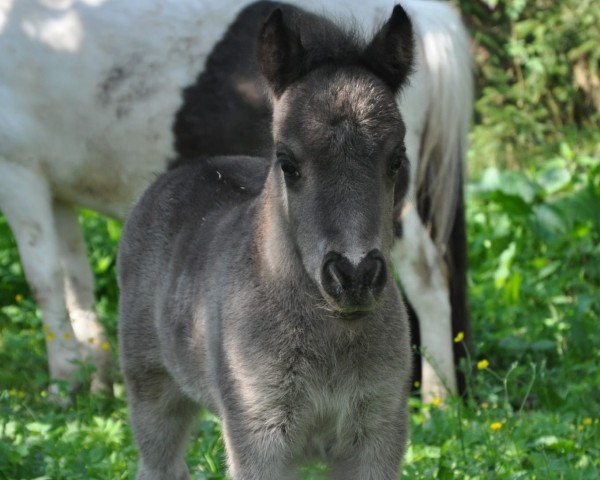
533, 410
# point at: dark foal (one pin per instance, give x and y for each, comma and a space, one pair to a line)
261, 287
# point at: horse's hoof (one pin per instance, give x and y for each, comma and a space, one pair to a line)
59, 397
100, 384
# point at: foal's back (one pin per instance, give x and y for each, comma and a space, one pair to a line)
185, 205
196, 194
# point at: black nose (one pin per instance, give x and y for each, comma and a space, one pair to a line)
354, 287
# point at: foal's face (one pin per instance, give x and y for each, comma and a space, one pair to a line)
339, 157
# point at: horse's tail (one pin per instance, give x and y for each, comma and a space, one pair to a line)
441, 169
448, 59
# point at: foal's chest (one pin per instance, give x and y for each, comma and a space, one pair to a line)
332, 412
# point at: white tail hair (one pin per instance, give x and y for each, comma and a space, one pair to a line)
447, 57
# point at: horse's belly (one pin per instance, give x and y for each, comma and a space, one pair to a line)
110, 185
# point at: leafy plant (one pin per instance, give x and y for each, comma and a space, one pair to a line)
538, 76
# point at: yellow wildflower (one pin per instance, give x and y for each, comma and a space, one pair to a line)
18, 298
482, 364
587, 421
67, 336
459, 337
495, 426
417, 384
436, 401
485, 405
105, 346
50, 336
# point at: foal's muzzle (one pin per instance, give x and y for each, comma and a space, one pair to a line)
353, 287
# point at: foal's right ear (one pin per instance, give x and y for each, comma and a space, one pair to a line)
280, 52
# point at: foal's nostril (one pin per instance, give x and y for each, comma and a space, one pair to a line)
337, 274
371, 270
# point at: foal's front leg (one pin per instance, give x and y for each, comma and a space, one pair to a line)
257, 455
378, 453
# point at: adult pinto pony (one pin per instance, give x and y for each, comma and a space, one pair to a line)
260, 287
98, 96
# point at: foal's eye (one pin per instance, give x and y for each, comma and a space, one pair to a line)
288, 167
398, 158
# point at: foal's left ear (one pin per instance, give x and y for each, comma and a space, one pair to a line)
280, 51
390, 54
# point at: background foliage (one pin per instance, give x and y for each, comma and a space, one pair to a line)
533, 205
538, 78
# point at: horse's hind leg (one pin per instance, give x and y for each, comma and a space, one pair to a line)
161, 417
26, 201
423, 275
79, 291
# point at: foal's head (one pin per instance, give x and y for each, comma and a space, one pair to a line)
339, 157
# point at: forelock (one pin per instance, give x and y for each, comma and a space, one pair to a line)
343, 108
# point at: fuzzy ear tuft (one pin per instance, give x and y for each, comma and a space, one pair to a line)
390, 55
280, 52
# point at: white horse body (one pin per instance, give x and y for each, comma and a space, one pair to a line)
89, 90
